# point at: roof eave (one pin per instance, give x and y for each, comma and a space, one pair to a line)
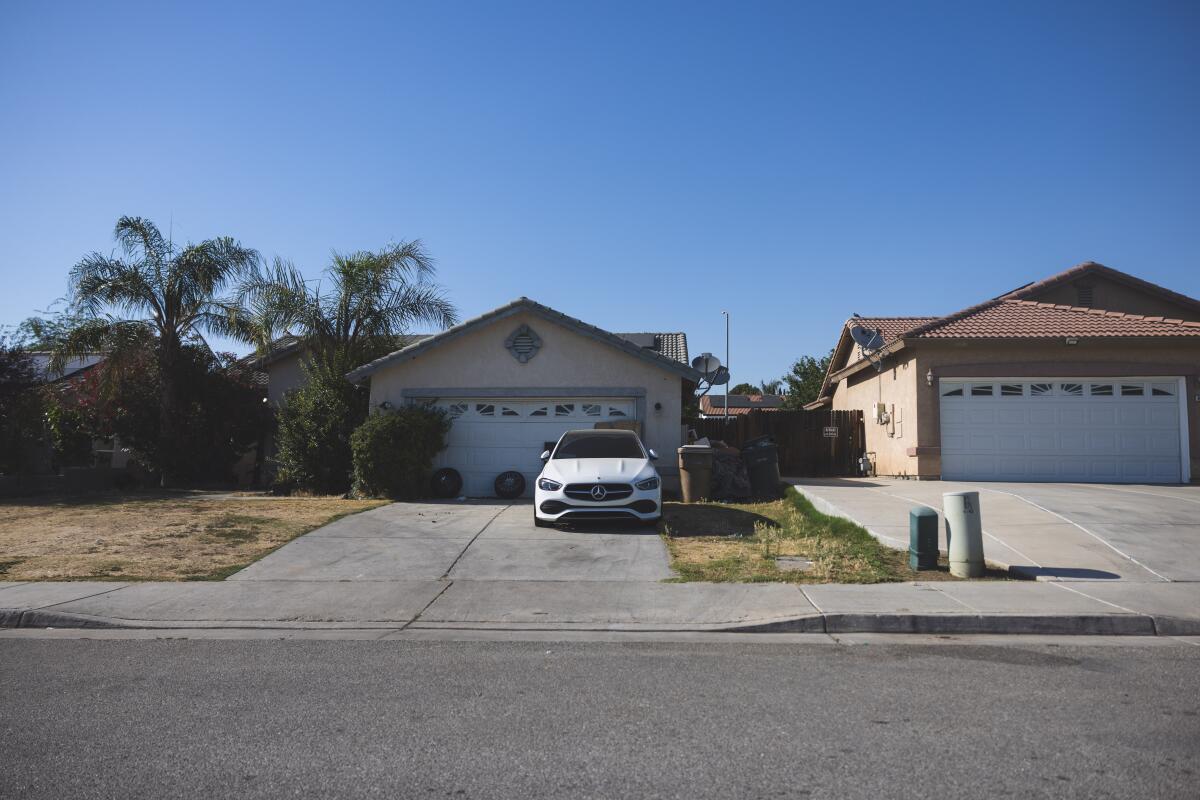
545, 312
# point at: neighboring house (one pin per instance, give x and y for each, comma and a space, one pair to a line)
516, 378
714, 406
1090, 375
105, 452
283, 364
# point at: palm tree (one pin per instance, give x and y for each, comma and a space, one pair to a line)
354, 314
157, 292
772, 387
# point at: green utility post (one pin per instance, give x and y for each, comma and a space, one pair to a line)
922, 538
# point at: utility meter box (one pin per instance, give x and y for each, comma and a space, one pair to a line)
922, 538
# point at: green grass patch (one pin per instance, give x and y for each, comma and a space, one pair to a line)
753, 542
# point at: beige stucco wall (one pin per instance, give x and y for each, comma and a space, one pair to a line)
895, 386
566, 360
284, 375
914, 450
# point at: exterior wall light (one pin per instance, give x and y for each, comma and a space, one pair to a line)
929, 377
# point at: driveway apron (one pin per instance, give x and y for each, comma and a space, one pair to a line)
476, 540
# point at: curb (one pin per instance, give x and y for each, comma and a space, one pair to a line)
830, 623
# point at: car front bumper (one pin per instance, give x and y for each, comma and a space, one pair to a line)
645, 505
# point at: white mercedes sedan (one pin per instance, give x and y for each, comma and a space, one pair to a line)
597, 474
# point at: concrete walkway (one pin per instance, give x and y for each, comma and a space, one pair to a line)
1048, 531
1023, 607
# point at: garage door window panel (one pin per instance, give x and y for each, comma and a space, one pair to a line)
981, 390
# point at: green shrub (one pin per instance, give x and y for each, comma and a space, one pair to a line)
315, 423
394, 451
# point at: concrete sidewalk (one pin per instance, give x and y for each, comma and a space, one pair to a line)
1016, 607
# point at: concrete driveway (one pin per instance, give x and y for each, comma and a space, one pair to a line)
1052, 531
472, 541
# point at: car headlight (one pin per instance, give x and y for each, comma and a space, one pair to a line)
649, 483
548, 485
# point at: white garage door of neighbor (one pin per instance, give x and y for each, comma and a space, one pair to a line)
490, 436
1104, 430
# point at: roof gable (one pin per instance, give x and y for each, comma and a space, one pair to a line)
1059, 288
524, 304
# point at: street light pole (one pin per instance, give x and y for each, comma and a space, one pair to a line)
726, 313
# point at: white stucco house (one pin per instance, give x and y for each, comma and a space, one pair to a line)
516, 378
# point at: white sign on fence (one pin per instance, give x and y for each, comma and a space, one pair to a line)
831, 432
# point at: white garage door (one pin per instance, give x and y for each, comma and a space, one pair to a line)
1105, 430
489, 436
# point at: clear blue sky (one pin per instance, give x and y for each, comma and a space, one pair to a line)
639, 165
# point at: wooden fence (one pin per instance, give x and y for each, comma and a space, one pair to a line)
804, 448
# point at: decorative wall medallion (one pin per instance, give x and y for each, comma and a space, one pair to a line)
523, 343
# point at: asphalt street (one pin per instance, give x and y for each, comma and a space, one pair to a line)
533, 719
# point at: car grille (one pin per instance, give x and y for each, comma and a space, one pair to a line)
612, 491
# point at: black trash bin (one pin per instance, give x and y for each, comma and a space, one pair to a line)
761, 457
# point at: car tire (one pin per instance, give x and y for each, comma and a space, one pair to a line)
510, 485
446, 483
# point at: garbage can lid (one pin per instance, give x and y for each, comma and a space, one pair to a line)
923, 511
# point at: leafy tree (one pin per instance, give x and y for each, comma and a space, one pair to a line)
159, 291
744, 388
221, 412
20, 406
804, 380
315, 423
354, 314
363, 304
771, 387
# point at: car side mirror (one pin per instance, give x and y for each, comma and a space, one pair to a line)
653, 455
545, 455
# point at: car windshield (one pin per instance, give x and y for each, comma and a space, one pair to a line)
585, 446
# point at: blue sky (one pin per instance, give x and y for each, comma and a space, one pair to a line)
640, 165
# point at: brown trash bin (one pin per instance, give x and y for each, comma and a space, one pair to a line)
695, 472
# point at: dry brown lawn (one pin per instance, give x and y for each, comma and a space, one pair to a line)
742, 542
165, 537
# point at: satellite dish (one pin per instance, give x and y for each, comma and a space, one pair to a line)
720, 377
869, 339
871, 342
706, 363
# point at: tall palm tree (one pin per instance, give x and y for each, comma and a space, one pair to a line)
157, 291
771, 387
364, 301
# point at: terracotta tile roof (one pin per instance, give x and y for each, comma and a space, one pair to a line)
890, 327
714, 405
1026, 319
671, 345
